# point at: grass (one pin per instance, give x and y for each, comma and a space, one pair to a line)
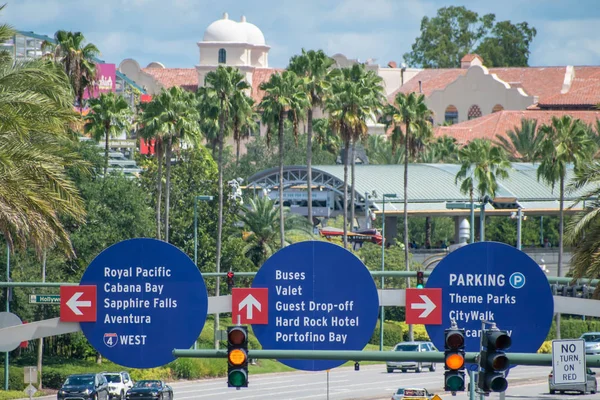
57, 369
15, 394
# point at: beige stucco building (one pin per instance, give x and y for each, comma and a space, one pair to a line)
243, 45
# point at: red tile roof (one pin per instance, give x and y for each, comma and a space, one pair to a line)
470, 57
543, 82
488, 126
584, 90
259, 76
187, 78
431, 79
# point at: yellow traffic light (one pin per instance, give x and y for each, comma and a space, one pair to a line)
455, 361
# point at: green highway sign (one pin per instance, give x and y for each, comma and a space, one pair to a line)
44, 299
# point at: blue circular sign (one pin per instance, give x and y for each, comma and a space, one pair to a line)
497, 283
151, 299
321, 297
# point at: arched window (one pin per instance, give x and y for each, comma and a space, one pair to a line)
474, 112
497, 107
222, 56
451, 114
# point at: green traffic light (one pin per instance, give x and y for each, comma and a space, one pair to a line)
498, 384
455, 383
237, 378
420, 286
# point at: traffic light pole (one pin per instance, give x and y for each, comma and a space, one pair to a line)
429, 356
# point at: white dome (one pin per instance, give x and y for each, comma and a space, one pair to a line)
253, 33
225, 30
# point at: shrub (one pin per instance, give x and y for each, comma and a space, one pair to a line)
546, 347
392, 334
196, 368
15, 379
573, 328
151, 373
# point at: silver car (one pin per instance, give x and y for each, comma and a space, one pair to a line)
591, 386
592, 343
404, 366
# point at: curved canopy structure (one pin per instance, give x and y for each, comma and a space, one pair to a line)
431, 188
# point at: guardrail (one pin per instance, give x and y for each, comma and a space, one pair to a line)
394, 274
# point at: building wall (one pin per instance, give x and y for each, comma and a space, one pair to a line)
477, 88
132, 69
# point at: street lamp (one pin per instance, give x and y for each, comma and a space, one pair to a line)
383, 243
201, 198
465, 206
519, 217
367, 210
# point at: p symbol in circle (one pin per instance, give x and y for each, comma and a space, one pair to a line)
517, 280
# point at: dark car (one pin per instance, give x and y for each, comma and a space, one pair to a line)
150, 390
84, 387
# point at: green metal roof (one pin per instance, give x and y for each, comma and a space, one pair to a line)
431, 186
436, 182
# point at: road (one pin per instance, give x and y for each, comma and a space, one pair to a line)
372, 382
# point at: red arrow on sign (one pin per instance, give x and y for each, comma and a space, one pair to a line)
424, 306
250, 306
78, 303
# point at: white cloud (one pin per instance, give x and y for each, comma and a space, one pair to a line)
372, 10
566, 42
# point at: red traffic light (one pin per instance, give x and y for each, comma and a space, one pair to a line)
455, 340
230, 275
237, 336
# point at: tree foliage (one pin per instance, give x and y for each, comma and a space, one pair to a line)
456, 31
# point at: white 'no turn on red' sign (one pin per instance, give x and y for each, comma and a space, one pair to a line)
568, 361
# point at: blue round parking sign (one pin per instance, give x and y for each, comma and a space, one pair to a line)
151, 299
321, 297
497, 283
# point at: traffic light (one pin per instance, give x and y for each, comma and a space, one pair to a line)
230, 280
454, 359
494, 361
237, 356
420, 280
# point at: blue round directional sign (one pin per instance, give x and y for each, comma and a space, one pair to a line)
151, 299
321, 297
497, 283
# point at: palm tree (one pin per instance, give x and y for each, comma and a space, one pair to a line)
36, 104
109, 117
521, 144
208, 108
171, 117
583, 231
243, 120
373, 97
481, 163
442, 150
564, 141
261, 226
355, 97
379, 150
77, 59
284, 98
223, 84
325, 139
314, 67
408, 117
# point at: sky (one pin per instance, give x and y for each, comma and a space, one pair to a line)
383, 30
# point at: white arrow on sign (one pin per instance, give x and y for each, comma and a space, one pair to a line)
74, 303
428, 306
249, 302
